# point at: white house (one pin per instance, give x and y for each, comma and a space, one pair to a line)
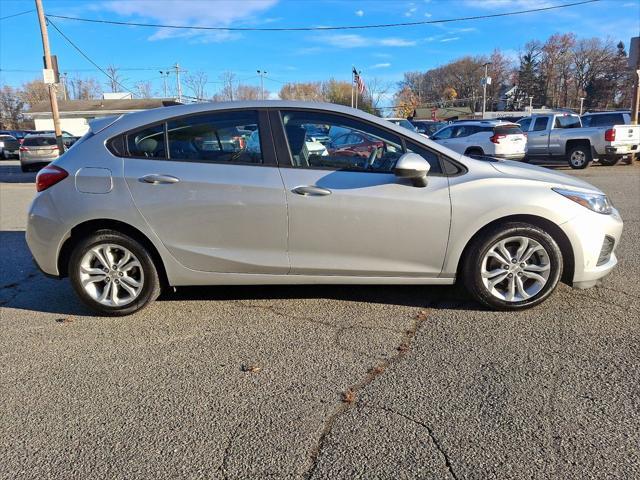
75, 114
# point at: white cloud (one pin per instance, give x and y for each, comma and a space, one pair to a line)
428, 15
359, 13
450, 39
197, 13
381, 65
352, 40
410, 12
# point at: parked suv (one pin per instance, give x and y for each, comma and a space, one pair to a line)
9, 146
166, 197
37, 150
493, 138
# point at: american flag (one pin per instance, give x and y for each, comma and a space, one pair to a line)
359, 82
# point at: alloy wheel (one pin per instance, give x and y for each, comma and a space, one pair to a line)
515, 269
111, 275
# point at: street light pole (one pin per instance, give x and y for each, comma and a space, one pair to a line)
530, 105
53, 99
581, 104
164, 76
484, 88
262, 73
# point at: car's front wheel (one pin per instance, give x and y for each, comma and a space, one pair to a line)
113, 274
512, 266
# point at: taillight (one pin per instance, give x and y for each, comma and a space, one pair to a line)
496, 138
610, 135
49, 176
23, 149
21, 140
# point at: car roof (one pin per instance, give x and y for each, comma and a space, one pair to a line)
486, 123
139, 119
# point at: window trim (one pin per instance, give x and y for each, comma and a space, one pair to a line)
285, 159
269, 158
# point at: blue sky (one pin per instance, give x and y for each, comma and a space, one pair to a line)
290, 56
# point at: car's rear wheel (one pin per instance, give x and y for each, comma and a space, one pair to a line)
113, 274
25, 168
512, 266
579, 156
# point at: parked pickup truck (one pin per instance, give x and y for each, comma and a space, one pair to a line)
561, 135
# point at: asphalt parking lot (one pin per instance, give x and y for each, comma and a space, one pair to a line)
319, 381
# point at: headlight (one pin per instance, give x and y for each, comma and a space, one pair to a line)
1, 144
595, 202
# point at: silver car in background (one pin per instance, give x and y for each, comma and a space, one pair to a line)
37, 151
172, 197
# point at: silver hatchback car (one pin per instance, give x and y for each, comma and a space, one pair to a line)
173, 196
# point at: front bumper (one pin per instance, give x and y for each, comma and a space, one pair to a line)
588, 236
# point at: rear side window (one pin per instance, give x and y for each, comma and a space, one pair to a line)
507, 130
540, 124
148, 143
224, 137
39, 141
567, 121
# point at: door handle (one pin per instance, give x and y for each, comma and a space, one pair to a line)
156, 179
311, 191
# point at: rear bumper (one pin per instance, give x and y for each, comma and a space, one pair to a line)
587, 234
510, 156
36, 160
621, 150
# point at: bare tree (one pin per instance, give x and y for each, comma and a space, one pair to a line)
144, 89
11, 107
85, 88
33, 92
249, 92
377, 91
228, 89
115, 79
197, 83
307, 91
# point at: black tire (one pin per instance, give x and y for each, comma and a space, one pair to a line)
25, 168
151, 285
480, 246
580, 150
608, 161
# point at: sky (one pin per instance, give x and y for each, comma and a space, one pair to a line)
384, 54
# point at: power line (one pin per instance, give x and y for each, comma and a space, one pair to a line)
17, 14
344, 27
89, 59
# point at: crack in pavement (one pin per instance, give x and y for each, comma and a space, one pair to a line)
432, 436
350, 394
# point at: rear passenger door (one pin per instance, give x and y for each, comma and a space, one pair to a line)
215, 204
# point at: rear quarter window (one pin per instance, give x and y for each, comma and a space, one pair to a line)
507, 130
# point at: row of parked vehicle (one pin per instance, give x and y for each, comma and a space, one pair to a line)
603, 136
34, 148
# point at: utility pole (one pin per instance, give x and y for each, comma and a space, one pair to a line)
49, 66
177, 68
530, 105
164, 75
262, 73
485, 80
581, 104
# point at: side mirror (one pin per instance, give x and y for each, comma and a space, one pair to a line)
413, 166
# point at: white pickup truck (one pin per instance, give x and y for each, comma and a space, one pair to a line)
561, 135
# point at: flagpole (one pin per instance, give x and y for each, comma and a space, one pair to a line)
353, 69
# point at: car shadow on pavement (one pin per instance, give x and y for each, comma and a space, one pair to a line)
11, 173
24, 287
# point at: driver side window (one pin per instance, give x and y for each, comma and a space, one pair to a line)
327, 141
